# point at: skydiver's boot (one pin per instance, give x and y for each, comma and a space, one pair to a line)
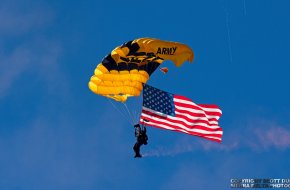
138, 155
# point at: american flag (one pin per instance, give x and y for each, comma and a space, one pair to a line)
174, 112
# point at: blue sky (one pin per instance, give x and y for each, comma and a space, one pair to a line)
56, 134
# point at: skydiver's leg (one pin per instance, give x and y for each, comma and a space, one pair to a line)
137, 149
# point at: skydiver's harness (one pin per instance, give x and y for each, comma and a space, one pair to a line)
141, 134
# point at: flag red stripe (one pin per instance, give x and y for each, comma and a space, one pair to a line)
202, 105
214, 137
209, 106
189, 120
217, 139
198, 109
195, 114
156, 123
174, 123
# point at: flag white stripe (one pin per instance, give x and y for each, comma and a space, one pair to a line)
192, 103
191, 118
197, 112
191, 124
181, 130
180, 125
213, 124
184, 114
211, 137
166, 127
196, 118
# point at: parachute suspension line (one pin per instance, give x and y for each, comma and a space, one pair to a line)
122, 113
116, 108
137, 108
134, 113
139, 105
128, 111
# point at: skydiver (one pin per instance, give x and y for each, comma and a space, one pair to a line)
141, 138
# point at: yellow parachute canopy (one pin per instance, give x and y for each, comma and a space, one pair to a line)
123, 72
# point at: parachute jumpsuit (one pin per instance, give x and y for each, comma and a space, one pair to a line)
141, 138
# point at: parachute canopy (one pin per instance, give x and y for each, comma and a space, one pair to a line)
123, 72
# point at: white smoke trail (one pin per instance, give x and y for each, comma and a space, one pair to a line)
168, 151
187, 147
